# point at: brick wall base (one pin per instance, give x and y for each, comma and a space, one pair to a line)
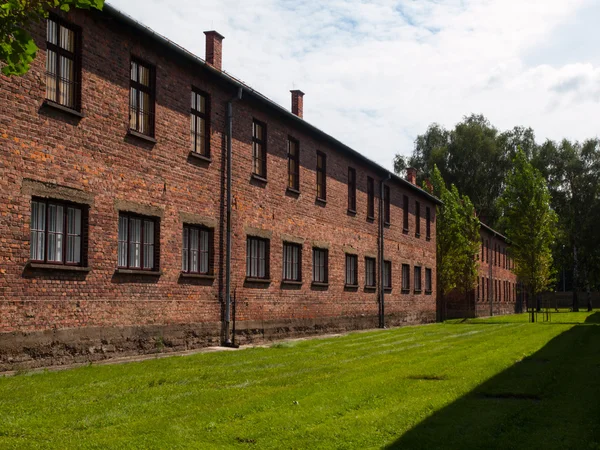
28, 350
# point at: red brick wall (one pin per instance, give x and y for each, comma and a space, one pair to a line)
477, 303
95, 156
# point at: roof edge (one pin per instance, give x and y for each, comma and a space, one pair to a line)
114, 12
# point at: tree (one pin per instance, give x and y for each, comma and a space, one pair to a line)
17, 48
473, 156
530, 225
457, 241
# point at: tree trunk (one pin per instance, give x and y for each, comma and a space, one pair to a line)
575, 275
589, 299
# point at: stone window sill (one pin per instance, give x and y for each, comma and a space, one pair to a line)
65, 109
292, 282
150, 273
197, 276
351, 286
143, 137
319, 284
293, 191
200, 157
258, 280
61, 267
259, 178
370, 288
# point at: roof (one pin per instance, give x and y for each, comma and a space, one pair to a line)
494, 232
115, 13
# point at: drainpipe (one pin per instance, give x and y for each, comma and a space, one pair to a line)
228, 218
381, 250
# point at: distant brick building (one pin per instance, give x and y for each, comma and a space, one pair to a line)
498, 291
117, 193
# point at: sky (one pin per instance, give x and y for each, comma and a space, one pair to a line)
377, 73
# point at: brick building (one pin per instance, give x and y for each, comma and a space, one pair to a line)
498, 291
117, 194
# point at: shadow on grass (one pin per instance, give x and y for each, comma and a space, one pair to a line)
549, 400
594, 318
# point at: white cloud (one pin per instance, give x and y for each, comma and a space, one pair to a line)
377, 73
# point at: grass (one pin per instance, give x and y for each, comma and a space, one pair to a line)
496, 383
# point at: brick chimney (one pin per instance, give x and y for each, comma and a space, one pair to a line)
411, 175
214, 46
298, 103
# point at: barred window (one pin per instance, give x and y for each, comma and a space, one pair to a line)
417, 279
56, 232
370, 272
259, 149
321, 176
387, 274
428, 281
63, 63
197, 248
200, 123
387, 212
292, 262
370, 198
351, 189
405, 213
257, 258
351, 270
405, 277
417, 219
320, 262
428, 223
138, 242
293, 164
142, 97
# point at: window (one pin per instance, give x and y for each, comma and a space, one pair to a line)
351, 270
320, 257
417, 279
63, 63
56, 232
370, 272
259, 149
138, 242
478, 289
417, 219
351, 189
321, 176
200, 123
292, 262
405, 213
293, 164
196, 256
428, 223
405, 278
386, 205
257, 258
142, 98
428, 282
387, 274
370, 198
487, 251
483, 288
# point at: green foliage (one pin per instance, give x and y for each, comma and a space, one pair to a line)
457, 238
530, 224
17, 48
474, 156
422, 387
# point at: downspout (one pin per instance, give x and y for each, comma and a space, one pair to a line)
228, 218
381, 250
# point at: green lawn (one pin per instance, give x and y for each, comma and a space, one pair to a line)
481, 384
